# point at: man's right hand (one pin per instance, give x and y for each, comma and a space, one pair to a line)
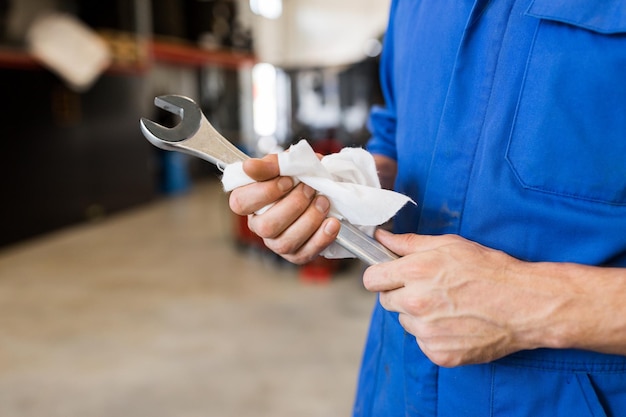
295, 226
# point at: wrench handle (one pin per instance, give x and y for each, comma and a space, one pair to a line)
364, 247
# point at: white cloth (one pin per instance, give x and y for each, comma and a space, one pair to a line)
348, 178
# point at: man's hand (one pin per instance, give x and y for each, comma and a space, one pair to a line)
295, 226
463, 302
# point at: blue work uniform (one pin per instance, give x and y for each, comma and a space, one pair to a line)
508, 122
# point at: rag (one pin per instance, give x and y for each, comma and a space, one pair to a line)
348, 179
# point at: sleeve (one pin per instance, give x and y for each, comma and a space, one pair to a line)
382, 119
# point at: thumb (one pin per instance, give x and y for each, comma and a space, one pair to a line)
402, 244
262, 169
399, 244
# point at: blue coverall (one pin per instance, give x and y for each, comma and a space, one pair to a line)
507, 119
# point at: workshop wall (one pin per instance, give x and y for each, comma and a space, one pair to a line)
76, 154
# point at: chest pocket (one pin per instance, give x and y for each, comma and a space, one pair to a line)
569, 134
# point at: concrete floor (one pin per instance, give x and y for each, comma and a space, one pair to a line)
154, 312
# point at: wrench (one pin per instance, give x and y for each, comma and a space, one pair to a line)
195, 136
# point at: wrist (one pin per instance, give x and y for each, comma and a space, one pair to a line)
576, 307
547, 319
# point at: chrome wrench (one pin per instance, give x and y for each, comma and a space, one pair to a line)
195, 136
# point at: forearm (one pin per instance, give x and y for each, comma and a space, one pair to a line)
577, 306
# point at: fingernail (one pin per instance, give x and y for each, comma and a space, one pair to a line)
331, 228
308, 191
322, 204
285, 184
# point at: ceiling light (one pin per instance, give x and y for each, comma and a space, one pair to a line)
271, 9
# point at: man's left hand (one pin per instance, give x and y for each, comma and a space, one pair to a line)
463, 302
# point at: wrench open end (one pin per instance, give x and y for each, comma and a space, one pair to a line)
191, 118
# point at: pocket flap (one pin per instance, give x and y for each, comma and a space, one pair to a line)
607, 16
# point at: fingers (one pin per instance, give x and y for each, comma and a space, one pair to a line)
269, 188
386, 276
301, 206
296, 226
404, 301
299, 253
383, 277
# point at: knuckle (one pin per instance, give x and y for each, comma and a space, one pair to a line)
285, 247
268, 195
417, 306
451, 241
298, 202
292, 250
439, 357
252, 226
384, 300
442, 353
236, 203
445, 359
301, 259
263, 229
